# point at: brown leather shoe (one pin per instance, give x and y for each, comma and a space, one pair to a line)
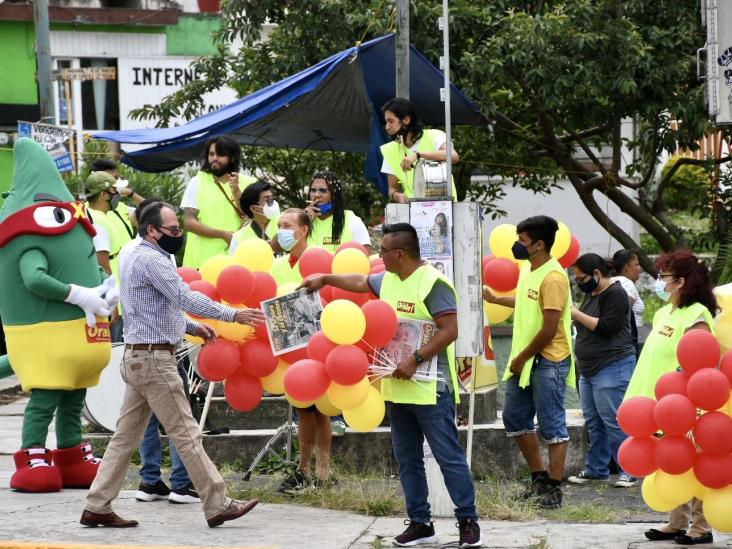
111, 520
235, 510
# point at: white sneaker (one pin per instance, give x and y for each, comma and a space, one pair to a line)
625, 481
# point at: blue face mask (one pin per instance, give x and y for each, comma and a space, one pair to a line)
660, 288
325, 208
286, 239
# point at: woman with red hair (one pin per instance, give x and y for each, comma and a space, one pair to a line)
684, 282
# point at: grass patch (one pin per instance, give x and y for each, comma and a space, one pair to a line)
539, 543
498, 500
586, 512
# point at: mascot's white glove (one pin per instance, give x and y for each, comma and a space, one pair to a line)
111, 293
90, 300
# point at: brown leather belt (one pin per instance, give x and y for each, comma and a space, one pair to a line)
151, 347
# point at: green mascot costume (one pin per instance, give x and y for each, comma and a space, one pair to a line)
54, 303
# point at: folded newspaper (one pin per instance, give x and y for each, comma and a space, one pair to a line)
292, 319
411, 335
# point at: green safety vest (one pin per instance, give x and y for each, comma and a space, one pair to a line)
321, 233
659, 351
407, 298
215, 210
393, 152
247, 233
115, 244
283, 273
528, 318
120, 217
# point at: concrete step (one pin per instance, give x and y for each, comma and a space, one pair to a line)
272, 412
493, 453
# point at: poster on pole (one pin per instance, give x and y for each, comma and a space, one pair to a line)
433, 223
292, 319
52, 138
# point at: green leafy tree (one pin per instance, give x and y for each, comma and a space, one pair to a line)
556, 79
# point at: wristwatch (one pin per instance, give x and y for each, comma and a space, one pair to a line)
418, 357
419, 156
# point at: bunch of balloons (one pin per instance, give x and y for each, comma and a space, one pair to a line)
693, 410
501, 270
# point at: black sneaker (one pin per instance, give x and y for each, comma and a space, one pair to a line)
551, 499
469, 533
151, 492
534, 487
583, 477
187, 494
294, 482
417, 533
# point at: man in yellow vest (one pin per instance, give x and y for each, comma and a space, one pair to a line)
540, 364
211, 202
411, 142
420, 410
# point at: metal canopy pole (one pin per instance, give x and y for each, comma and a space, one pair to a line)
444, 24
402, 49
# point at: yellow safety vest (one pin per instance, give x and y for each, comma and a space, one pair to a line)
407, 298
393, 152
120, 218
528, 318
247, 232
102, 219
283, 273
659, 351
215, 209
321, 233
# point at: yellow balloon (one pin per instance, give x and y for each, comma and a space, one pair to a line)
346, 397
562, 240
233, 331
274, 383
723, 320
676, 489
199, 340
718, 508
299, 403
213, 266
194, 339
648, 491
496, 313
325, 406
343, 322
368, 415
286, 288
501, 240
701, 492
254, 254
350, 261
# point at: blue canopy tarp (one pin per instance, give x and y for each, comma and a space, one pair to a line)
333, 105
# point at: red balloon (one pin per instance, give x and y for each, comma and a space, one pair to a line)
260, 331
315, 260
326, 292
381, 322
377, 268
306, 380
486, 259
356, 297
713, 470
675, 415
635, 416
501, 275
572, 253
708, 388
637, 456
205, 288
725, 366
319, 346
675, 455
294, 356
218, 360
713, 433
243, 392
264, 287
355, 245
347, 364
671, 383
188, 274
257, 359
697, 349
235, 284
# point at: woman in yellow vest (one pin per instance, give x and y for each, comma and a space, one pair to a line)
684, 282
332, 223
314, 431
257, 203
411, 142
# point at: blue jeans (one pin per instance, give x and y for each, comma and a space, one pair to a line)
151, 452
116, 332
601, 395
410, 425
543, 398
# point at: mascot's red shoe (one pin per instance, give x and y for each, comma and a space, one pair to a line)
77, 465
34, 472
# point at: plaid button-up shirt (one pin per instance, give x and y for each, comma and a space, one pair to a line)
154, 297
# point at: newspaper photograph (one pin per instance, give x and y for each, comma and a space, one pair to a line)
411, 335
433, 223
292, 319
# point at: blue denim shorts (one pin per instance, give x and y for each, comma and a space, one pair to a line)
543, 398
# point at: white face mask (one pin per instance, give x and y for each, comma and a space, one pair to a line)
271, 209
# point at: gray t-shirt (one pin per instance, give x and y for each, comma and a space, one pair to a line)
440, 301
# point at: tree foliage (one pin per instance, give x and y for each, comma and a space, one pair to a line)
555, 78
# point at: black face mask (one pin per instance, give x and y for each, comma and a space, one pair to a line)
113, 200
170, 244
520, 251
589, 286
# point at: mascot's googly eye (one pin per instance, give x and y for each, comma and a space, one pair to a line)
51, 217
